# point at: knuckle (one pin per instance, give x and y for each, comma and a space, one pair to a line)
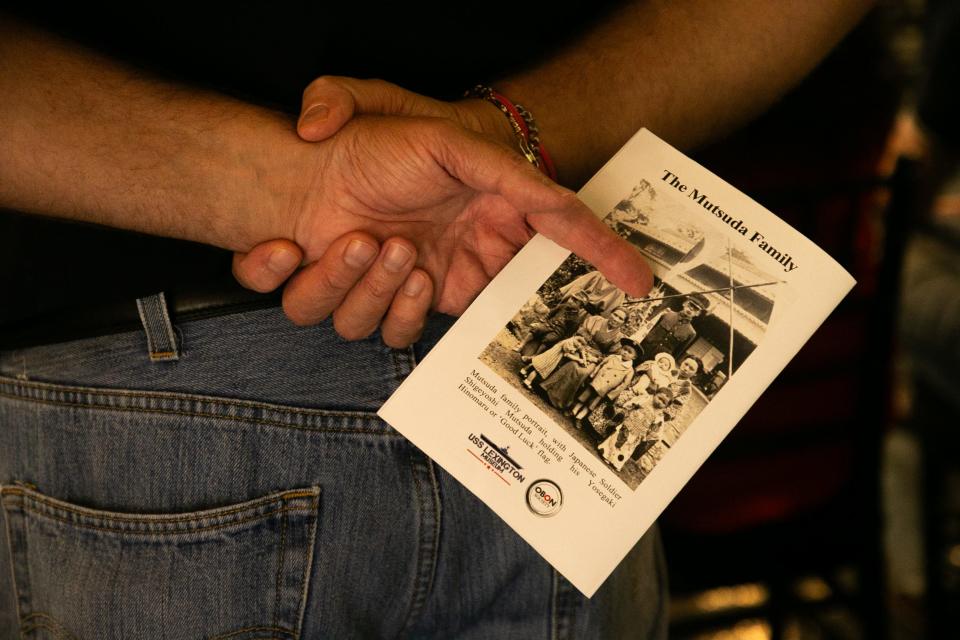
317, 84
378, 288
404, 325
333, 281
409, 331
299, 316
349, 329
398, 341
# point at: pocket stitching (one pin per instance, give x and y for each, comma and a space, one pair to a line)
237, 632
41, 620
161, 519
280, 561
166, 533
166, 395
219, 416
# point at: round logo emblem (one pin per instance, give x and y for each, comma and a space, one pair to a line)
544, 498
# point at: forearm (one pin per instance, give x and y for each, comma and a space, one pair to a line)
689, 70
88, 139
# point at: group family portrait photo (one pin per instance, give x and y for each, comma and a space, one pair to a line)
626, 376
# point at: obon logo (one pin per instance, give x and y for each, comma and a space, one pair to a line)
544, 498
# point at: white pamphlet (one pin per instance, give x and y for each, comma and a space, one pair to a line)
577, 412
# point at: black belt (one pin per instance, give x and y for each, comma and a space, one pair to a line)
106, 318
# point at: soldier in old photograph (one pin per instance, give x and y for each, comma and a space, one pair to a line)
673, 331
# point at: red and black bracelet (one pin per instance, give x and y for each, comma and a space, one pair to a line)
523, 125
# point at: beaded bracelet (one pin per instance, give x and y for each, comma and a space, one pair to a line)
523, 125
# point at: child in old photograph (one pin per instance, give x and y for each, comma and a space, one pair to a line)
612, 376
641, 424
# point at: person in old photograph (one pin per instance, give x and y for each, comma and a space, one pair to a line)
641, 423
612, 376
682, 384
672, 331
604, 334
600, 292
573, 349
561, 322
655, 374
601, 336
532, 312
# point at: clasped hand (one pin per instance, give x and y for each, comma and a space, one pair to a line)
416, 204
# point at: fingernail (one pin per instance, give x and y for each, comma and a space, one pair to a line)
396, 258
316, 113
359, 253
414, 285
282, 261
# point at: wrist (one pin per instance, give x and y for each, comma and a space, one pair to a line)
267, 172
526, 133
481, 115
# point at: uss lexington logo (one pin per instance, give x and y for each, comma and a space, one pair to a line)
496, 458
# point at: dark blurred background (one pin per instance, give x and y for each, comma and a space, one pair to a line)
833, 509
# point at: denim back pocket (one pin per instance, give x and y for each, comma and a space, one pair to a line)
237, 572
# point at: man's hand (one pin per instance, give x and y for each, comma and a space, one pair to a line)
466, 203
458, 249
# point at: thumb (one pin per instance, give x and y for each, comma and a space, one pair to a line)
548, 208
327, 105
268, 265
330, 101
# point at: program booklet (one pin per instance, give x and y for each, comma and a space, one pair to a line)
577, 412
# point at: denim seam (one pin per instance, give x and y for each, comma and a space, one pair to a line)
13, 561
307, 569
50, 623
416, 601
281, 552
399, 370
158, 533
553, 604
25, 549
201, 414
237, 632
437, 519
428, 541
168, 395
187, 517
563, 607
55, 631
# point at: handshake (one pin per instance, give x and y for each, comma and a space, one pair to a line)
411, 204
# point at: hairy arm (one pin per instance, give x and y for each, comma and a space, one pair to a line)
689, 70
89, 139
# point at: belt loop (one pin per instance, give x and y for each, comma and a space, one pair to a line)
161, 338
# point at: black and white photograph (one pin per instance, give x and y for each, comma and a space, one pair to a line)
626, 376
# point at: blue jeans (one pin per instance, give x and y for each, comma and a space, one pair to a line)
247, 490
